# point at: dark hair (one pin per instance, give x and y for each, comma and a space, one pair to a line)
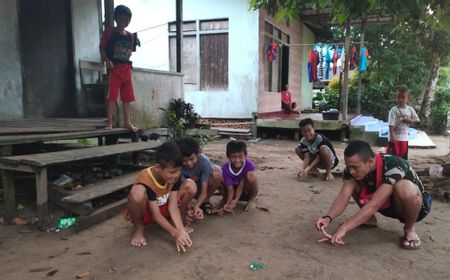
188, 146
169, 154
122, 10
402, 89
360, 148
305, 122
283, 87
236, 146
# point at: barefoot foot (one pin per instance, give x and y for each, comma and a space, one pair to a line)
131, 127
251, 205
138, 238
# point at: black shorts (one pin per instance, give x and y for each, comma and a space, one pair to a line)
244, 196
426, 208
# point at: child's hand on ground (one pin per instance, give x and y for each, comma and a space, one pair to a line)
228, 208
198, 213
322, 223
182, 240
304, 172
329, 177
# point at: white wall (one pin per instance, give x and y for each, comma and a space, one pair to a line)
307, 87
240, 100
11, 106
86, 24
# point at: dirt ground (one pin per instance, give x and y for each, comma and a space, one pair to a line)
282, 238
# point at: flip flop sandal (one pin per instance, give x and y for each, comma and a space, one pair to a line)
208, 208
411, 244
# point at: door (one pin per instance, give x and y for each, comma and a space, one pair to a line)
284, 65
47, 58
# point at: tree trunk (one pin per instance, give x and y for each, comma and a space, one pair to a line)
430, 89
344, 95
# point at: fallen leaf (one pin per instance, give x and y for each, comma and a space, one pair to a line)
83, 253
263, 209
20, 222
59, 254
112, 270
51, 273
83, 274
41, 269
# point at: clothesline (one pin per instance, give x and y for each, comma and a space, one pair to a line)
318, 44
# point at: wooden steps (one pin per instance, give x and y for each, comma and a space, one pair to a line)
101, 188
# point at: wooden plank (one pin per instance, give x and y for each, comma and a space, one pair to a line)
101, 188
41, 193
34, 138
51, 125
233, 130
100, 215
52, 158
9, 194
55, 194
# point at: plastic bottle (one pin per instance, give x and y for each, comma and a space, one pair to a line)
66, 222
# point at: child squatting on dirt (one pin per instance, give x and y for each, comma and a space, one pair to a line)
207, 177
315, 151
158, 194
116, 46
240, 183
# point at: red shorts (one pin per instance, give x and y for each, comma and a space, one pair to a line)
398, 148
120, 81
148, 218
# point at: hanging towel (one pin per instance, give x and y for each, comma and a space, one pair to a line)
353, 58
272, 52
335, 59
327, 64
363, 60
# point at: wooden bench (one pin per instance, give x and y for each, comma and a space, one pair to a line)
38, 163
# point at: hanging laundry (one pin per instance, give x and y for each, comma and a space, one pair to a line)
272, 52
313, 60
335, 59
353, 58
342, 58
364, 55
327, 64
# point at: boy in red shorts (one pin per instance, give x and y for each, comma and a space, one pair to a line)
158, 196
116, 47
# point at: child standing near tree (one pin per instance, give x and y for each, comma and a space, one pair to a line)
400, 117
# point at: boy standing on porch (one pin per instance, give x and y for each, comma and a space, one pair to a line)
116, 46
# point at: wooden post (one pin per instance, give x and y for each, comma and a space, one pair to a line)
179, 33
9, 190
346, 64
41, 193
358, 97
109, 13
254, 125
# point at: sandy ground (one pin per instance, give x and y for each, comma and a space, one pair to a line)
282, 238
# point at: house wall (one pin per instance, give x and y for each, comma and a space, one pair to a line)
153, 90
271, 101
86, 26
240, 100
306, 86
11, 106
